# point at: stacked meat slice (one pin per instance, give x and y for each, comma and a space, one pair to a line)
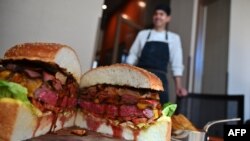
49, 89
123, 104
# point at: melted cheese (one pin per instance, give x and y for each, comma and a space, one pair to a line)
32, 85
4, 74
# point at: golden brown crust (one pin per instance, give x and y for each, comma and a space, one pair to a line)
7, 120
155, 82
34, 51
53, 53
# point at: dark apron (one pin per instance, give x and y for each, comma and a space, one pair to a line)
155, 58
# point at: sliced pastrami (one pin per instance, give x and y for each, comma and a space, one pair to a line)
46, 95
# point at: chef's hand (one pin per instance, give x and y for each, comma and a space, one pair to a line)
180, 91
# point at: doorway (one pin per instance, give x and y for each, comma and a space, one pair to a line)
211, 56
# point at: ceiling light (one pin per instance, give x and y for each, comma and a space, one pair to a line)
142, 4
104, 6
125, 16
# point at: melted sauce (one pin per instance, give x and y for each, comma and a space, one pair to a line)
53, 125
92, 124
136, 133
47, 120
37, 126
117, 131
64, 119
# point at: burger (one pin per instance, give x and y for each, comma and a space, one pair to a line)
38, 89
123, 101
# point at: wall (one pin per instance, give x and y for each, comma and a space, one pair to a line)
216, 47
182, 22
68, 22
239, 49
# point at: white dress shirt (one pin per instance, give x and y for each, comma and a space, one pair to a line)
175, 49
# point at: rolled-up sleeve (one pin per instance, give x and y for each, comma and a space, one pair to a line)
134, 51
176, 57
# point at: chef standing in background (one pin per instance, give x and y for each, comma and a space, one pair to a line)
153, 49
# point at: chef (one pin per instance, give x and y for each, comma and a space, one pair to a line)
153, 49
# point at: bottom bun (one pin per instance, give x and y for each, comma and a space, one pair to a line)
158, 131
19, 122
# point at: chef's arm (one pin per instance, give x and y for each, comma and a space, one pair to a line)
177, 67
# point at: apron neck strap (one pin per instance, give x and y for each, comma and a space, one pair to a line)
166, 35
150, 34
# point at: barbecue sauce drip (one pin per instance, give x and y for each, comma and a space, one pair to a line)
117, 131
92, 124
136, 133
65, 118
53, 125
37, 126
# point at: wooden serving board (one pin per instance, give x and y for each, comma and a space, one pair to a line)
65, 135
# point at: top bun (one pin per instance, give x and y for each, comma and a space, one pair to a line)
121, 75
62, 55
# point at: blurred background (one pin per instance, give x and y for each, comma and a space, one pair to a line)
215, 37
215, 40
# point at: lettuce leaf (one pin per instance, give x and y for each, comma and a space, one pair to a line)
169, 109
13, 90
17, 92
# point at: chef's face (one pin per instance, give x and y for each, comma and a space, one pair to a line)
160, 19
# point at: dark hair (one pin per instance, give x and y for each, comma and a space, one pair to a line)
164, 8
